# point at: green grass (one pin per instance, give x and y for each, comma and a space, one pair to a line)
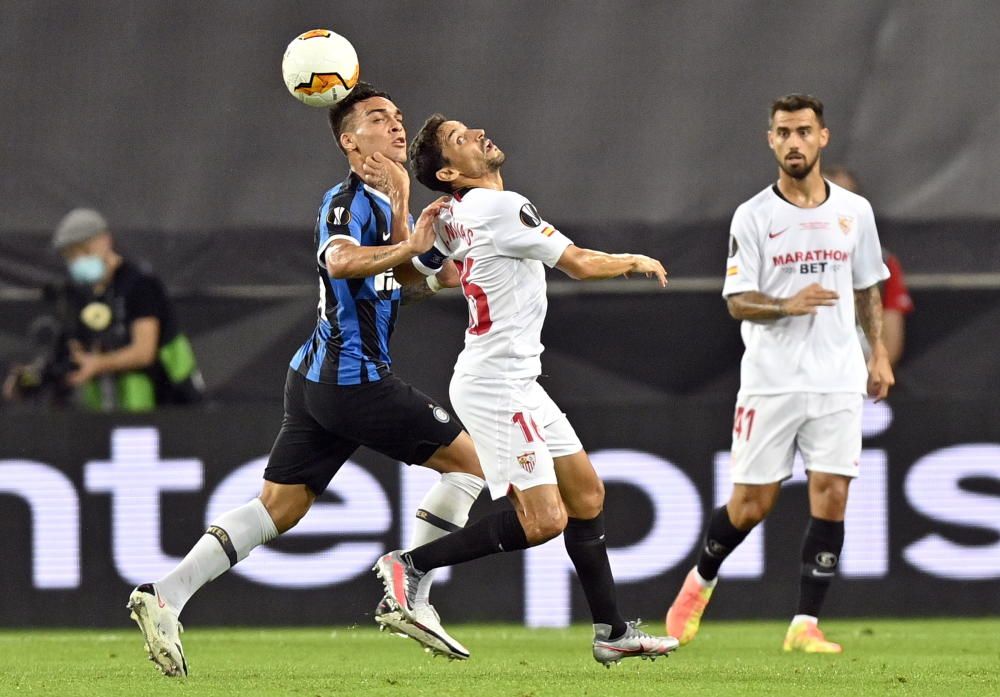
945, 658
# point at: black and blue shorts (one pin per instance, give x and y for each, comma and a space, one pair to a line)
324, 424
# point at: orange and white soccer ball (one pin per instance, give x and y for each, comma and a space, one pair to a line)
320, 67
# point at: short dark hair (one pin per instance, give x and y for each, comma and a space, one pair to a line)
796, 102
339, 112
425, 154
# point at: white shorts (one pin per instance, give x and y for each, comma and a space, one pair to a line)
826, 429
517, 429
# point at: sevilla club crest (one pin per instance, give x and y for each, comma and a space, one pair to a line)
846, 223
527, 461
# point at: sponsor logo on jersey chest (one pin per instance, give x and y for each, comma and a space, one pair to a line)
811, 261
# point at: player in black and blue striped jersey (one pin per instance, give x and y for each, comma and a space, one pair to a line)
340, 392
350, 344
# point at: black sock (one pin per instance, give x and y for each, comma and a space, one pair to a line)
498, 532
820, 555
588, 551
721, 539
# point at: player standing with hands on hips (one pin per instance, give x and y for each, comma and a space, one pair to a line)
804, 255
528, 450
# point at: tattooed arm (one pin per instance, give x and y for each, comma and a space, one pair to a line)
348, 260
868, 305
416, 292
754, 305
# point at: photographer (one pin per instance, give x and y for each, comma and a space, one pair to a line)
116, 345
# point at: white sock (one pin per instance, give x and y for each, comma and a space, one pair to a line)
805, 618
703, 582
228, 540
444, 507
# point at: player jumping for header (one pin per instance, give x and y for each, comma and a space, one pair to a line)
528, 450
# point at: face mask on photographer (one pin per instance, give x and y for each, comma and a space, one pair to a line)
87, 269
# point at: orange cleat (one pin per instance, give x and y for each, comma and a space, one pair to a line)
807, 637
684, 616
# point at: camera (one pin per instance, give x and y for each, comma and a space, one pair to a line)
43, 378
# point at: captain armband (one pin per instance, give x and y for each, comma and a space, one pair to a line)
430, 262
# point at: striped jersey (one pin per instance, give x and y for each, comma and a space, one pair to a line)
502, 246
355, 316
778, 249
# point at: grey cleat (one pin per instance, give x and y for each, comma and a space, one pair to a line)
633, 643
400, 580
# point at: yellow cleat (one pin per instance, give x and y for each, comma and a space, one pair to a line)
684, 616
807, 637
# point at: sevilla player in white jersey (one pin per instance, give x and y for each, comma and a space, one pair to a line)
528, 449
803, 254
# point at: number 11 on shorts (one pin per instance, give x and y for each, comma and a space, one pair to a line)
743, 416
528, 427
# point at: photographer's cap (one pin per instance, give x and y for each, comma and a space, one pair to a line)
79, 225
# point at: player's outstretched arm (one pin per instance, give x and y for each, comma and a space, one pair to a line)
754, 305
591, 265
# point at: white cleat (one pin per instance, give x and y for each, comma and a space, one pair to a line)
160, 629
426, 630
634, 643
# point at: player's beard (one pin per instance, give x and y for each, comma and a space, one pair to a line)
494, 164
799, 172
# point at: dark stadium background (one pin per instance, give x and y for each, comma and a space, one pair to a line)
633, 126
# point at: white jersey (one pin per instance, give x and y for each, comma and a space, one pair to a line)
501, 244
778, 249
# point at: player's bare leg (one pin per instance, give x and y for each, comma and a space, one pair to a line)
582, 493
821, 548
444, 509
287, 504
727, 527
541, 512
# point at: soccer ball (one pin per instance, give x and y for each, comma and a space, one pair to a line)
320, 68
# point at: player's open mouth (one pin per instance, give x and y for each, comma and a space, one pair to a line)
399, 142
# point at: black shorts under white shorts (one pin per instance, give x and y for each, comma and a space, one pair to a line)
324, 424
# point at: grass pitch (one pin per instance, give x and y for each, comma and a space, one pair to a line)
958, 657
